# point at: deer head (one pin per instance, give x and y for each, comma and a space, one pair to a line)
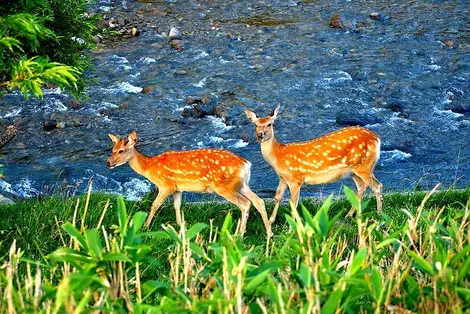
264, 125
123, 149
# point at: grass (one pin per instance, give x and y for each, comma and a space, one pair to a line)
91, 254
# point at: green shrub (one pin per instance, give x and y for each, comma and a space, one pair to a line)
45, 42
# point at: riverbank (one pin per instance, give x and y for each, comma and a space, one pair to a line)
35, 223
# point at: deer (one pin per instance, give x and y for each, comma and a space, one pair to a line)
201, 170
351, 151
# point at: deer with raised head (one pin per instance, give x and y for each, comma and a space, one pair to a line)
200, 170
351, 150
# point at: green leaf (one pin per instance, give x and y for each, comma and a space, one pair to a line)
321, 222
122, 215
151, 286
421, 263
173, 234
115, 257
257, 280
83, 302
357, 261
377, 287
291, 222
194, 230
463, 270
70, 256
308, 217
386, 242
457, 257
271, 291
74, 233
227, 225
333, 302
327, 203
305, 275
352, 198
94, 242
197, 249
138, 221
463, 291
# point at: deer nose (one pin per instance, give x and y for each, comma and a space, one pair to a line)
108, 164
261, 135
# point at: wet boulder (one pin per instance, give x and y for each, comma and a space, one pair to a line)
342, 21
458, 107
378, 16
8, 134
351, 118
5, 201
135, 31
175, 38
62, 120
174, 34
201, 107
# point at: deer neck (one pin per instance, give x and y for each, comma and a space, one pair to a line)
139, 162
269, 149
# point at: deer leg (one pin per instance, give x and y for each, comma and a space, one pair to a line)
260, 207
281, 189
376, 186
294, 189
161, 197
241, 201
177, 204
361, 188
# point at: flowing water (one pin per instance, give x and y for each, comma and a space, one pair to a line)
406, 76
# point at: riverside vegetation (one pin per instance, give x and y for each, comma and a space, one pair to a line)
45, 42
92, 254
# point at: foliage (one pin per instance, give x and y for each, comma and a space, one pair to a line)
45, 42
419, 264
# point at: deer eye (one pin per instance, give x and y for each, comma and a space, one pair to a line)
270, 124
121, 151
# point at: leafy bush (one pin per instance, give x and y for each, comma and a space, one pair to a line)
45, 42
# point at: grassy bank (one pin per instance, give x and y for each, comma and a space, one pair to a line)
64, 255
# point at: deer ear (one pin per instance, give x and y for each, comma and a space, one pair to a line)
132, 138
275, 112
114, 138
251, 116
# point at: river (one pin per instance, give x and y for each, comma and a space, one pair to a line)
405, 75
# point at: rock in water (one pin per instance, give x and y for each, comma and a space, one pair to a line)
336, 22
347, 118
205, 106
49, 125
135, 32
174, 34
176, 44
8, 134
343, 21
377, 16
5, 201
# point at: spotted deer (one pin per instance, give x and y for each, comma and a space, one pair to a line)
351, 150
201, 170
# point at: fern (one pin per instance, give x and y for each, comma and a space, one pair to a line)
27, 26
37, 46
29, 75
10, 44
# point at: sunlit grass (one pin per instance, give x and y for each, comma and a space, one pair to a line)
61, 255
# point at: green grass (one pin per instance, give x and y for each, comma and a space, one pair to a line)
35, 223
411, 257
